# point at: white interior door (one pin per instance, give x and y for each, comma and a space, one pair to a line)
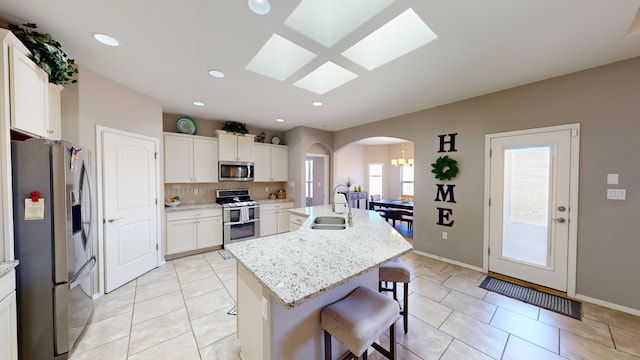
530, 183
129, 207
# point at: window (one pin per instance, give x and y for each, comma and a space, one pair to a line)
407, 181
375, 179
308, 180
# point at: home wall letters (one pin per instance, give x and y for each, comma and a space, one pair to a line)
445, 192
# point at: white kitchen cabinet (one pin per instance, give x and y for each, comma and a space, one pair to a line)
189, 159
274, 218
271, 162
233, 147
29, 91
190, 230
295, 221
8, 317
53, 124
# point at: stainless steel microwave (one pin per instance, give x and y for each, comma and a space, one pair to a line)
235, 171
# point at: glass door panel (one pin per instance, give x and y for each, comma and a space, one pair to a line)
526, 205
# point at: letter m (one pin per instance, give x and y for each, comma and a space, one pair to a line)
443, 194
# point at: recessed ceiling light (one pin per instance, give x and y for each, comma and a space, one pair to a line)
317, 103
325, 78
280, 120
198, 103
260, 7
279, 58
403, 34
216, 74
106, 39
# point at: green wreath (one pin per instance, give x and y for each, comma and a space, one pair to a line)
445, 168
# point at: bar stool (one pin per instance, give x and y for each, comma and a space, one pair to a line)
395, 272
358, 320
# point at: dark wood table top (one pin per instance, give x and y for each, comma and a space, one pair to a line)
392, 203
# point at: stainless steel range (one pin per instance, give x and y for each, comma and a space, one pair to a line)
241, 215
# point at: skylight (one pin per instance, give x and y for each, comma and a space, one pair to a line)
279, 58
405, 33
325, 78
329, 21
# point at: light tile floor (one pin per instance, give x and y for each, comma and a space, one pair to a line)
179, 311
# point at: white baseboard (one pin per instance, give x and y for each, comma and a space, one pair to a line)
606, 304
454, 262
609, 305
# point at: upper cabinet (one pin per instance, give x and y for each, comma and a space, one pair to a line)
53, 124
271, 162
29, 92
235, 147
189, 158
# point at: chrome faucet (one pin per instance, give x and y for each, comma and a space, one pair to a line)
333, 203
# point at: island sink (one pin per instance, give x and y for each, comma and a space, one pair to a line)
328, 223
333, 220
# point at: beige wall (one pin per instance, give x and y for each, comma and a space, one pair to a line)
96, 100
605, 101
302, 140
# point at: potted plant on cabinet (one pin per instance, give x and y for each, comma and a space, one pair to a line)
47, 53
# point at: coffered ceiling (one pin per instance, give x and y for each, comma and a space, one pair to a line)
168, 47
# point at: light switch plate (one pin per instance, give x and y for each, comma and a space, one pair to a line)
616, 194
612, 179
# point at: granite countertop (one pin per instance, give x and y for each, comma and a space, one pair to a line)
6, 266
297, 266
182, 207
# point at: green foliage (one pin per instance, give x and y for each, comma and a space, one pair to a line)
47, 53
235, 127
445, 168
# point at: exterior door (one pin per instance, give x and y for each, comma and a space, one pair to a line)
129, 207
530, 186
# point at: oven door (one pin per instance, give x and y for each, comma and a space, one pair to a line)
240, 231
233, 215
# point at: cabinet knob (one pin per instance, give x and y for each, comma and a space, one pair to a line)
49, 132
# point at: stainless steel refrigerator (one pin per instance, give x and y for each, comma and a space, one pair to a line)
52, 208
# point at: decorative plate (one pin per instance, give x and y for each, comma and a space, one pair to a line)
275, 140
186, 125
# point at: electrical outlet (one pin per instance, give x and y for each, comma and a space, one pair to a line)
266, 189
195, 191
445, 235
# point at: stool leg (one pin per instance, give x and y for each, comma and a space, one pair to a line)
395, 291
365, 354
392, 341
327, 346
405, 310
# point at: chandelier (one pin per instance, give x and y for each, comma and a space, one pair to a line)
401, 161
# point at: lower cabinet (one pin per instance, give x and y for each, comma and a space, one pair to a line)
274, 218
8, 318
295, 221
189, 230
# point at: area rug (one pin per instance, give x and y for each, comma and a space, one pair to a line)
225, 254
535, 297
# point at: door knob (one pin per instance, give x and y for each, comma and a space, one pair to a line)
560, 220
562, 208
114, 220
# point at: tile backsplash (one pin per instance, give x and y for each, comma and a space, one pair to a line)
202, 193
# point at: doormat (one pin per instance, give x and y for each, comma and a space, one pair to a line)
564, 306
225, 254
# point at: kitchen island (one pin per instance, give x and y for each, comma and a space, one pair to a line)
285, 280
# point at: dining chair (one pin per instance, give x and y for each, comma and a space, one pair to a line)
382, 212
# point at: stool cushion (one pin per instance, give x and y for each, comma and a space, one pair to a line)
359, 319
394, 271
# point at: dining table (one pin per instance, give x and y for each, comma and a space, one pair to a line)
391, 204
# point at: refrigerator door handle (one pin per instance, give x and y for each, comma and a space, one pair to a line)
81, 274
